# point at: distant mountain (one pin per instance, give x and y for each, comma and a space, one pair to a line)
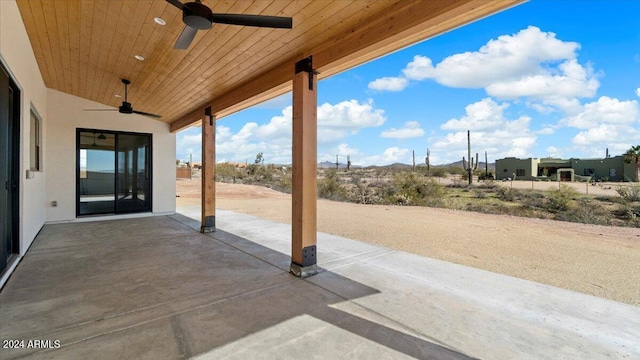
459, 164
332, 165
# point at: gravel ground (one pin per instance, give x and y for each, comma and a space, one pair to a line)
598, 260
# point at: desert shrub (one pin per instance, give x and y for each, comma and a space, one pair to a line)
533, 199
459, 184
610, 199
479, 194
407, 188
227, 172
506, 194
284, 184
438, 172
455, 170
330, 187
404, 189
363, 195
488, 184
630, 214
560, 199
587, 211
434, 193
629, 193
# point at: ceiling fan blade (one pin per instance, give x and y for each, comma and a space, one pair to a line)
99, 109
147, 114
186, 37
176, 3
253, 20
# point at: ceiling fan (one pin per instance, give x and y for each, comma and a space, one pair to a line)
197, 16
126, 107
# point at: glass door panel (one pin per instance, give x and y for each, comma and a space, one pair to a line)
133, 179
96, 179
113, 172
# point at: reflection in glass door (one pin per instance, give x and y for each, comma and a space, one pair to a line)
113, 172
97, 173
133, 179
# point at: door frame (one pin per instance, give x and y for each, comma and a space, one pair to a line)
115, 183
14, 139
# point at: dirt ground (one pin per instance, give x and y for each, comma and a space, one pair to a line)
598, 260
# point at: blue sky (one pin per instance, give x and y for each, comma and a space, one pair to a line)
546, 78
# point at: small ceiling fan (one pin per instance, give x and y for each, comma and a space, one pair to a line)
126, 107
197, 16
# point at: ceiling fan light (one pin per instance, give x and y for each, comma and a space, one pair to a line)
197, 16
196, 22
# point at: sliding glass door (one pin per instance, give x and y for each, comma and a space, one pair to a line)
113, 172
133, 174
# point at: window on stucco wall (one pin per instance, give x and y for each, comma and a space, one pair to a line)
35, 142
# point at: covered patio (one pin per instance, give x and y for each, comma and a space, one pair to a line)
156, 283
157, 288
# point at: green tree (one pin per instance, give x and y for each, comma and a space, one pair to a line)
259, 159
632, 156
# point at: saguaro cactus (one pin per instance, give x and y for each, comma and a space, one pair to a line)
471, 167
426, 160
486, 165
413, 167
348, 162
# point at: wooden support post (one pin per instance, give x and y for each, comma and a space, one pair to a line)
208, 173
304, 173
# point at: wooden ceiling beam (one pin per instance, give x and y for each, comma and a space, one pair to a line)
402, 25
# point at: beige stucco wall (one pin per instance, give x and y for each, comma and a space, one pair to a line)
511, 165
65, 116
61, 114
17, 56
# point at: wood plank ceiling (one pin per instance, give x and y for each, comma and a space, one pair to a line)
84, 47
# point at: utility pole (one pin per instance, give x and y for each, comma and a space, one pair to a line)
348, 162
337, 163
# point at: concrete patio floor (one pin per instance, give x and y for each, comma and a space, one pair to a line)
155, 288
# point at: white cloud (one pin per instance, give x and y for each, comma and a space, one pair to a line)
482, 115
389, 84
411, 129
420, 68
335, 122
189, 143
558, 87
554, 152
529, 64
638, 92
508, 57
490, 130
605, 110
546, 131
389, 156
606, 123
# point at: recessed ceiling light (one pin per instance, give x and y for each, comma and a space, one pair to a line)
118, 96
139, 57
159, 21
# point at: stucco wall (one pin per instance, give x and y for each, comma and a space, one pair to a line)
17, 56
65, 116
511, 165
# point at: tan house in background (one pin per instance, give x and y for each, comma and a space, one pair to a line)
605, 169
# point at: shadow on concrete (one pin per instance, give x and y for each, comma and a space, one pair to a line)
157, 288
